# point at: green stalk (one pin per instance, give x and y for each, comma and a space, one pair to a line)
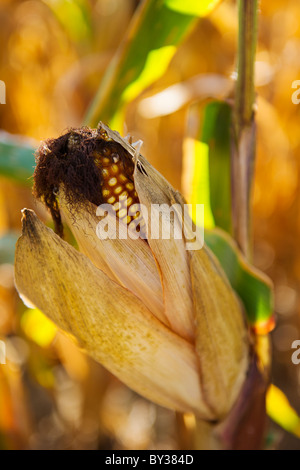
243, 152
247, 38
246, 425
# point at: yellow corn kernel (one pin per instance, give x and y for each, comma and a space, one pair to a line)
115, 168
122, 213
130, 186
118, 190
112, 181
123, 178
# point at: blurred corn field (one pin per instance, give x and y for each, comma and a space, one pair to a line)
54, 55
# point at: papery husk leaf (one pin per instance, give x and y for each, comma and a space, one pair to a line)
113, 325
221, 334
195, 281
216, 313
170, 253
222, 338
222, 341
130, 260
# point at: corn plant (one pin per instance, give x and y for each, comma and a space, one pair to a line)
186, 328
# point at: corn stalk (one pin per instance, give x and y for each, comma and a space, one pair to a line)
251, 412
195, 324
244, 131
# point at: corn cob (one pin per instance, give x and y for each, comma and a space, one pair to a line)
118, 188
90, 166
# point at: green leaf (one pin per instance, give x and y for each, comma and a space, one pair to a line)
7, 247
216, 134
154, 34
16, 159
197, 189
192, 7
253, 287
74, 16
